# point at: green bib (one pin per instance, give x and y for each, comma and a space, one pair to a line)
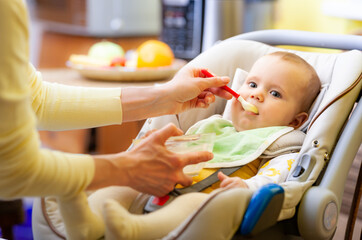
233, 148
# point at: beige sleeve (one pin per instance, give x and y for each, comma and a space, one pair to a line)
25, 168
61, 107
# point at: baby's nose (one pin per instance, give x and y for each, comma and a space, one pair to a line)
257, 96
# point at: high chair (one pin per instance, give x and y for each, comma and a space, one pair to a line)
307, 205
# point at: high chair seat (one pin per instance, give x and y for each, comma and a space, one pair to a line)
340, 75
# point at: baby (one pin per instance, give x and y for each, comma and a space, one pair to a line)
282, 86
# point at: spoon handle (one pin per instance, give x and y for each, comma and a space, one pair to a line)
231, 91
207, 74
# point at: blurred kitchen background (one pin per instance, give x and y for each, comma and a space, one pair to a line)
60, 28
188, 26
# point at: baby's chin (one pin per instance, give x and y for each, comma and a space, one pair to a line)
247, 122
242, 127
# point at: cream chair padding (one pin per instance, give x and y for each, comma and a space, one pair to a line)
340, 74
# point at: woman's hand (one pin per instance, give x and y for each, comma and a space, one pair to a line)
231, 182
188, 89
155, 170
191, 89
149, 167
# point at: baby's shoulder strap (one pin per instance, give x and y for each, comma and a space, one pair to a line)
288, 143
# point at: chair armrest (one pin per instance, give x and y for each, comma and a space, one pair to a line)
318, 214
263, 209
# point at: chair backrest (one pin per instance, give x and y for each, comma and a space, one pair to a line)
340, 75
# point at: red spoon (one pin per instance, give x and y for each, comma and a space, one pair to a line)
246, 105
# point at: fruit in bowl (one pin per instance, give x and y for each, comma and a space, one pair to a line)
154, 53
101, 54
150, 54
118, 62
106, 50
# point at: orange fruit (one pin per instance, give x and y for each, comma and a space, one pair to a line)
154, 53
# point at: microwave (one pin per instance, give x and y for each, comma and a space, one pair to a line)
192, 26
182, 26
103, 18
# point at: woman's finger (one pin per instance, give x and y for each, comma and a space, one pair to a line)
148, 133
220, 93
213, 82
185, 180
166, 132
195, 157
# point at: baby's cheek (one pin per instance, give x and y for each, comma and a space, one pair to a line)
234, 102
233, 109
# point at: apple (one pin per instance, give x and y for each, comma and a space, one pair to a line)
105, 50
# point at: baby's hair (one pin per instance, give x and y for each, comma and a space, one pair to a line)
314, 83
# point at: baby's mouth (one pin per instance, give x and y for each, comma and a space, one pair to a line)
252, 109
251, 113
249, 107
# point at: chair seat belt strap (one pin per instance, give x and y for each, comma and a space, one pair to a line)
205, 183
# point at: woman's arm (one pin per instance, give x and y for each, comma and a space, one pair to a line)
188, 89
28, 170
149, 167
61, 107
25, 168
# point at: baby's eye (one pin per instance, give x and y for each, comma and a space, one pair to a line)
252, 85
275, 94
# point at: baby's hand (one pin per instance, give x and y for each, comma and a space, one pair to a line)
231, 182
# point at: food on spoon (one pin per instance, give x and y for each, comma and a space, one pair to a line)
154, 53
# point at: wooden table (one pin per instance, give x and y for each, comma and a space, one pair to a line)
109, 139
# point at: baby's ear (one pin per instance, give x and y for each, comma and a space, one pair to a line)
298, 120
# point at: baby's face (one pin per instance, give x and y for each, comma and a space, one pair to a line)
276, 88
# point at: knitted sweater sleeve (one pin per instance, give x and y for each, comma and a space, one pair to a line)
61, 107
25, 102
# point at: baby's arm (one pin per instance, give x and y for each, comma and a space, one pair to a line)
275, 170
